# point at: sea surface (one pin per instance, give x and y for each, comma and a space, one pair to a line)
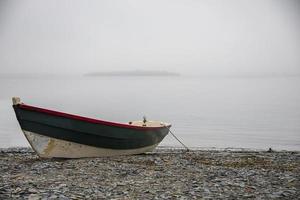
215, 112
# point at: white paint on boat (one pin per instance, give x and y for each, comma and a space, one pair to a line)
16, 100
48, 147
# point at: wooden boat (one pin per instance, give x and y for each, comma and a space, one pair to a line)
57, 134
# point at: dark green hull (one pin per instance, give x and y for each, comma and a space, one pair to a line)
86, 131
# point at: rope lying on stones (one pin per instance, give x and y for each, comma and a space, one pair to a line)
187, 149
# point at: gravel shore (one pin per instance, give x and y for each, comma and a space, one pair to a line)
163, 174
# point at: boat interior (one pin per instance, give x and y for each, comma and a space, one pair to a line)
148, 123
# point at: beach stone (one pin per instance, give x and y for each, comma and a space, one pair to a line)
163, 174
34, 197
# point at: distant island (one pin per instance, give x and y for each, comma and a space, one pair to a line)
134, 73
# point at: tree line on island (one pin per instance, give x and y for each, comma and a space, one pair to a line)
134, 73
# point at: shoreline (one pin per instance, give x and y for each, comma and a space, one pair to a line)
176, 148
166, 173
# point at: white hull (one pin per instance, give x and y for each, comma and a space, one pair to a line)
47, 147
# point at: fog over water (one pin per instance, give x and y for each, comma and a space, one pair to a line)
238, 60
190, 37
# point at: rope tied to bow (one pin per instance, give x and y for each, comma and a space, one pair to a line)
187, 149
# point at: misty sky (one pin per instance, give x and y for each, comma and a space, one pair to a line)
186, 36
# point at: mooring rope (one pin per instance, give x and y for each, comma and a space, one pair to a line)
187, 149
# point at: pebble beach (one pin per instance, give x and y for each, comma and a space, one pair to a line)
166, 173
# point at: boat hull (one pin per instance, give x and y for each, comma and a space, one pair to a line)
47, 147
56, 134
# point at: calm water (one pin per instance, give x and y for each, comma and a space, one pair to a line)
205, 112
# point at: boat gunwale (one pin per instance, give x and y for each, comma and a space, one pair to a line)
87, 119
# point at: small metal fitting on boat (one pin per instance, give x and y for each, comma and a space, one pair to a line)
144, 120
